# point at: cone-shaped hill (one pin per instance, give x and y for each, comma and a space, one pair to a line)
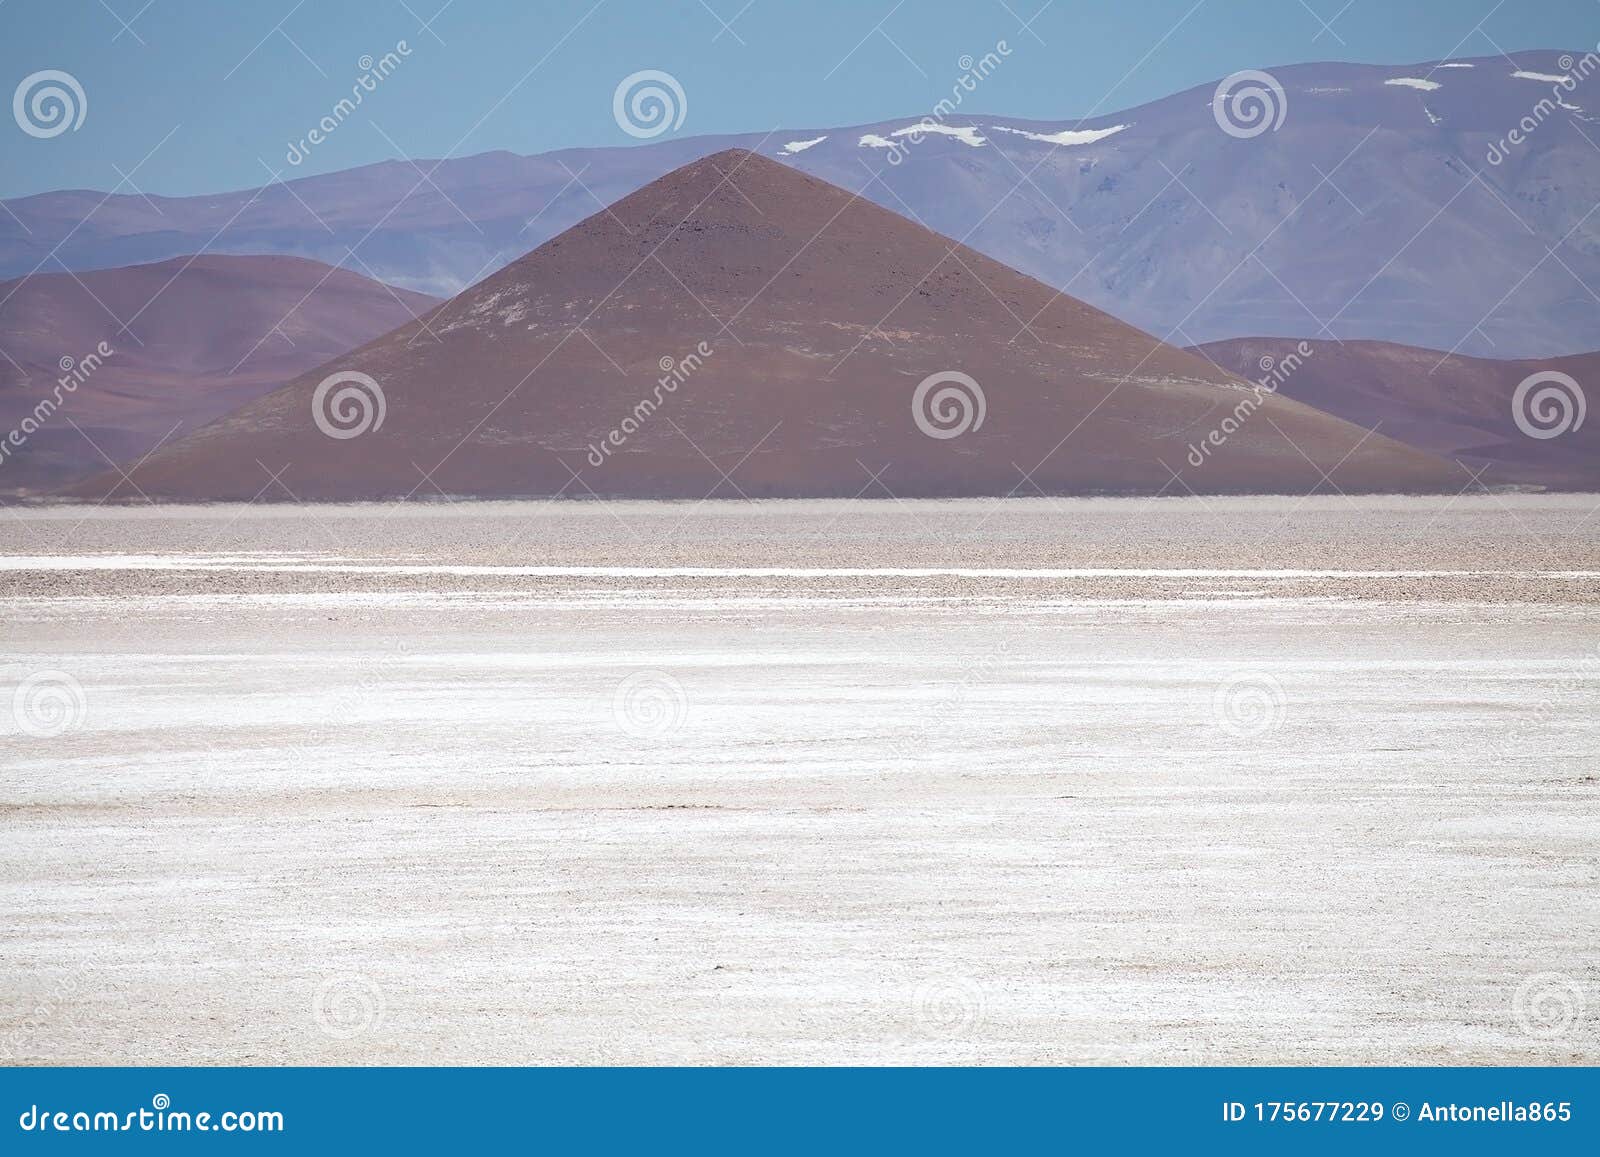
739, 316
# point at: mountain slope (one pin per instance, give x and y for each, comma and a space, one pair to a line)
1372, 209
796, 325
203, 335
1457, 407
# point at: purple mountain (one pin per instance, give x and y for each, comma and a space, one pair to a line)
1371, 210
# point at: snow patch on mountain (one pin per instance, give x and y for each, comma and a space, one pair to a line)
1065, 136
1522, 74
966, 134
1416, 82
874, 141
793, 147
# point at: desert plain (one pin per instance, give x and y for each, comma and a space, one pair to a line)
1035, 781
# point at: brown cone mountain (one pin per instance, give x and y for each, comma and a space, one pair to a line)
821, 313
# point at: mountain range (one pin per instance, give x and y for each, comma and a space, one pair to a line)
1371, 211
738, 328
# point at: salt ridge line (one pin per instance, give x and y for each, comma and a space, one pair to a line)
157, 562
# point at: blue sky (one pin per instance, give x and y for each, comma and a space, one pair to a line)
203, 95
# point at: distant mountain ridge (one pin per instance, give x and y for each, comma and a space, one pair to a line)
1372, 210
155, 351
1457, 407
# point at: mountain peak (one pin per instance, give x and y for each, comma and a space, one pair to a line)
735, 187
